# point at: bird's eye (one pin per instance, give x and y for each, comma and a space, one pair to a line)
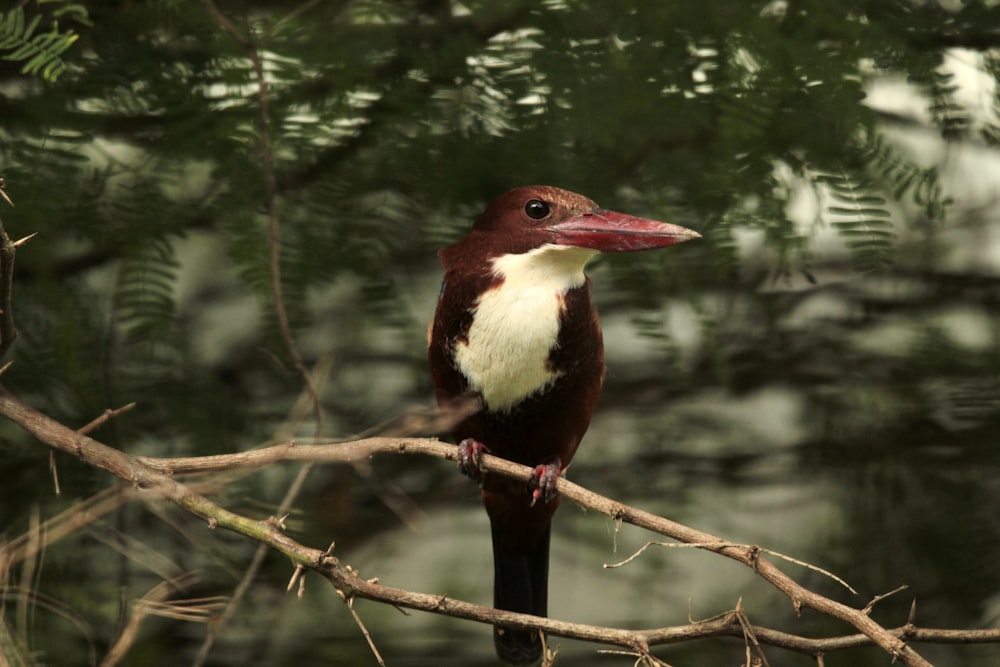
536, 209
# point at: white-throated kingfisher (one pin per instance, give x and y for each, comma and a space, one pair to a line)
515, 331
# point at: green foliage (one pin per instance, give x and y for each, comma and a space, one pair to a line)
858, 211
392, 123
41, 52
991, 127
903, 179
144, 299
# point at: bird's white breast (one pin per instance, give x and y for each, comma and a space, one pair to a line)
516, 324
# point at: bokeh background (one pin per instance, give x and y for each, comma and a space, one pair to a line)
820, 374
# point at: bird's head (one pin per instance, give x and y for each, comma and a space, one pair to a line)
534, 216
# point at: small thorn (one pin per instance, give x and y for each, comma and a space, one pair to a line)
20, 242
297, 576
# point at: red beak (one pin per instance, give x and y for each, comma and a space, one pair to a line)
608, 231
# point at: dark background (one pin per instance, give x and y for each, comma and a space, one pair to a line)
818, 374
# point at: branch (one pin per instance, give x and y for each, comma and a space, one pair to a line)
7, 251
154, 476
750, 555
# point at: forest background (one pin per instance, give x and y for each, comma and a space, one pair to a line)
236, 209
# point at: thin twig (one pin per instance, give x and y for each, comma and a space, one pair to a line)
249, 45
98, 421
749, 636
810, 566
696, 545
28, 573
54, 469
154, 602
364, 631
878, 598
60, 609
292, 15
101, 419
713, 546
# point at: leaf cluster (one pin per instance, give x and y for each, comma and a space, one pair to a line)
41, 52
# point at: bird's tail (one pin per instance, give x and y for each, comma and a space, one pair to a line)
521, 584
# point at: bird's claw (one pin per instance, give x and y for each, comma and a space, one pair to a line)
543, 481
470, 458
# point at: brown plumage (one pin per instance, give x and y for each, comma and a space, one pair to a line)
515, 330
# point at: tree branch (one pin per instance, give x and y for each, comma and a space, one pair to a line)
7, 251
155, 476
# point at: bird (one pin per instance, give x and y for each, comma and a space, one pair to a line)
515, 335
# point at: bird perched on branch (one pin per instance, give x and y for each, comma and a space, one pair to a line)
515, 331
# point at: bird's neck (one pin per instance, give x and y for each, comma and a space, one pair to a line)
505, 355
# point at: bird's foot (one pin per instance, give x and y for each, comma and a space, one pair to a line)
543, 481
470, 458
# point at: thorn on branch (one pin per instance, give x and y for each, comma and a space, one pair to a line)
326, 557
548, 655
3, 192
24, 239
55, 472
297, 575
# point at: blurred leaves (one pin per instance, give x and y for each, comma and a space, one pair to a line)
836, 255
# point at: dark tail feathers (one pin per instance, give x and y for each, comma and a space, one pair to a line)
521, 584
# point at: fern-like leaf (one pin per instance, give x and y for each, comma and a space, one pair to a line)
857, 210
905, 178
951, 117
41, 53
144, 298
991, 127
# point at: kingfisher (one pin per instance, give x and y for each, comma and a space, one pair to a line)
516, 335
